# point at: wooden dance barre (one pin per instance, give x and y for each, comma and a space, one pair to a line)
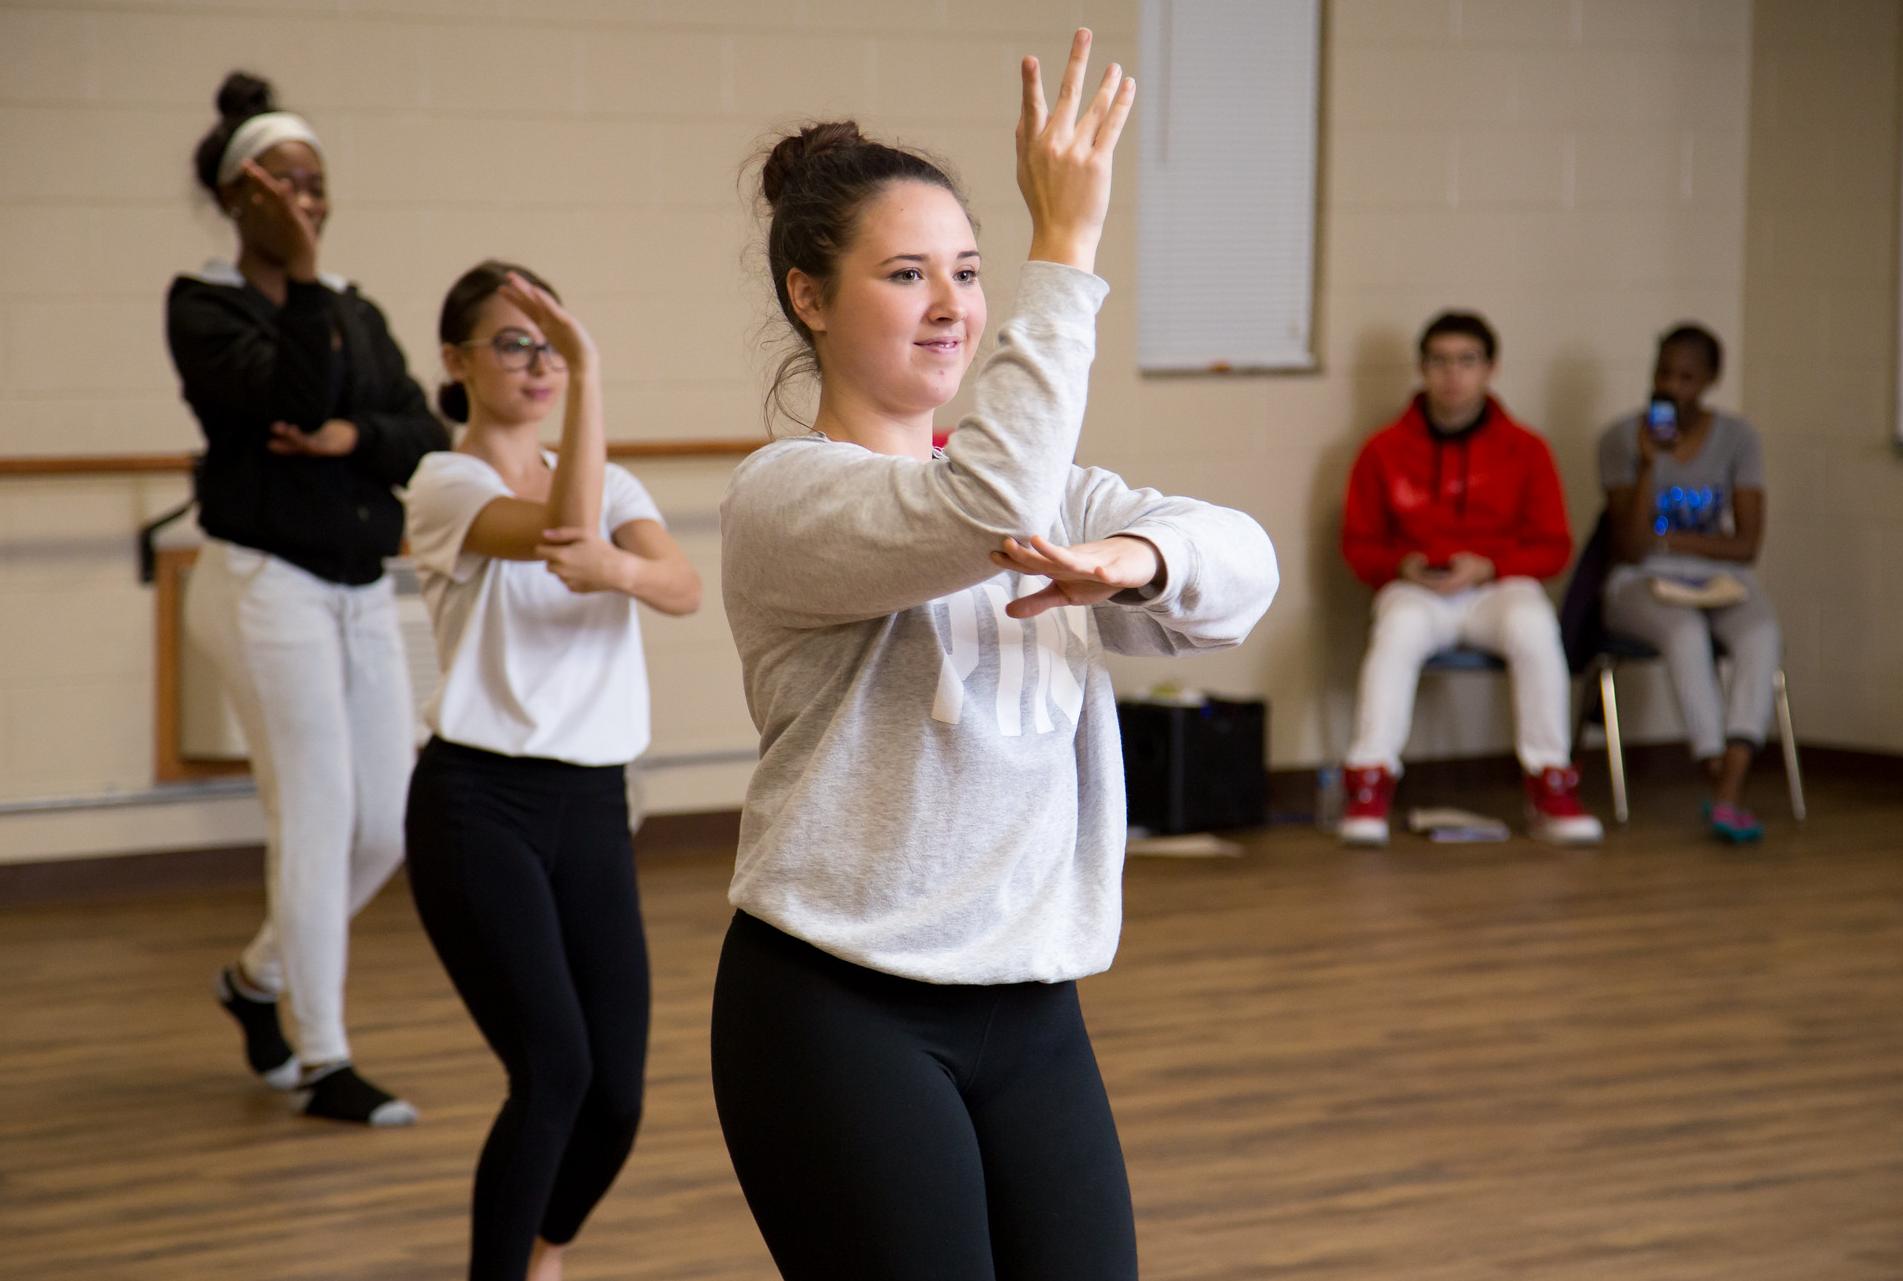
139, 464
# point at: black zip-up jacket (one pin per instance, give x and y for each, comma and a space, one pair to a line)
246, 363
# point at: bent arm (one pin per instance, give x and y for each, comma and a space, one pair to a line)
232, 365
818, 533
513, 528
510, 529
395, 433
1629, 514
1625, 472
1741, 545
659, 573
1218, 573
1545, 541
1368, 540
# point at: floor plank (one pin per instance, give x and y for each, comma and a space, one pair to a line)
1661, 1060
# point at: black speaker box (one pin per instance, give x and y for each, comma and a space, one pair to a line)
1195, 768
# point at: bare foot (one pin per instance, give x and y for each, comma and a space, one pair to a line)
545, 1262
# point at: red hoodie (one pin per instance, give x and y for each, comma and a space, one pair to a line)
1491, 490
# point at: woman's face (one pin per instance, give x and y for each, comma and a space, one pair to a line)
907, 309
1682, 374
302, 168
510, 377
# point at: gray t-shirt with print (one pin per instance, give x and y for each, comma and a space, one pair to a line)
1693, 495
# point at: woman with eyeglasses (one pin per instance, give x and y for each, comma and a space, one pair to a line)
521, 859
311, 421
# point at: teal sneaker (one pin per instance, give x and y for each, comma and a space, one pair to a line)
1734, 824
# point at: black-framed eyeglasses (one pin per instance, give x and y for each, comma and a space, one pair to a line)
515, 349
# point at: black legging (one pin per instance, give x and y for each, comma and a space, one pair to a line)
523, 873
890, 1130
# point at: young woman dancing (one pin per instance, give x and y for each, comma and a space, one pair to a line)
521, 862
311, 421
932, 846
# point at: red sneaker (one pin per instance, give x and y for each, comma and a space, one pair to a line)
1553, 811
1368, 793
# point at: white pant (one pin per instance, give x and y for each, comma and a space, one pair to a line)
1749, 633
316, 674
1511, 618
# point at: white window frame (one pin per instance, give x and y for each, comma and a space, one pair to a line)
1229, 120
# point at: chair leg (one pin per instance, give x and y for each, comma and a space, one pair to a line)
1787, 737
1615, 753
1585, 709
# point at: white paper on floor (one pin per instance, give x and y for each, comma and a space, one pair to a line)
1189, 845
1448, 824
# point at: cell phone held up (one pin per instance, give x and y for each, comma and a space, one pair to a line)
1661, 420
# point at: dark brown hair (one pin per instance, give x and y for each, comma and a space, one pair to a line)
1694, 335
817, 183
461, 308
1465, 324
240, 97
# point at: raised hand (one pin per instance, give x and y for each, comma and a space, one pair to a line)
275, 220
1085, 574
566, 334
1064, 158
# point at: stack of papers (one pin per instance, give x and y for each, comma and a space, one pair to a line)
1193, 845
1716, 592
1446, 824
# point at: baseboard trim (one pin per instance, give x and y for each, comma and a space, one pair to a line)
715, 833
1292, 791
712, 833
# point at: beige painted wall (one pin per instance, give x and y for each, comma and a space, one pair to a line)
1821, 322
1574, 168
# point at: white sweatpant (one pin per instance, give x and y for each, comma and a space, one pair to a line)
1749, 633
1511, 617
316, 674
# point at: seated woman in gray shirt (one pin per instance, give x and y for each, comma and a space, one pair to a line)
931, 852
1687, 513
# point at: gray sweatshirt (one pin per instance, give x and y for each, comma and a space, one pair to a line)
940, 787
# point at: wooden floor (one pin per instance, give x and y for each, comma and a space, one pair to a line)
1660, 1061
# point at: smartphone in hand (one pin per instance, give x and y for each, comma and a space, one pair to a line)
1661, 419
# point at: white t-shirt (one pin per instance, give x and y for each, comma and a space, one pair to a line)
529, 668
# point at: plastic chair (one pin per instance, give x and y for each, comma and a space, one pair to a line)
1596, 653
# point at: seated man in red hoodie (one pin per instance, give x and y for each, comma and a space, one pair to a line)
1454, 514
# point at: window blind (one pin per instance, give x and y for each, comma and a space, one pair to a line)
1226, 201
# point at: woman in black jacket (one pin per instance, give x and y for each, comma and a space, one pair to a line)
311, 420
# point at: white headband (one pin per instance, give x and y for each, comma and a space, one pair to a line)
258, 135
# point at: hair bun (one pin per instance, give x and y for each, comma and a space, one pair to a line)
452, 400
244, 95
795, 151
